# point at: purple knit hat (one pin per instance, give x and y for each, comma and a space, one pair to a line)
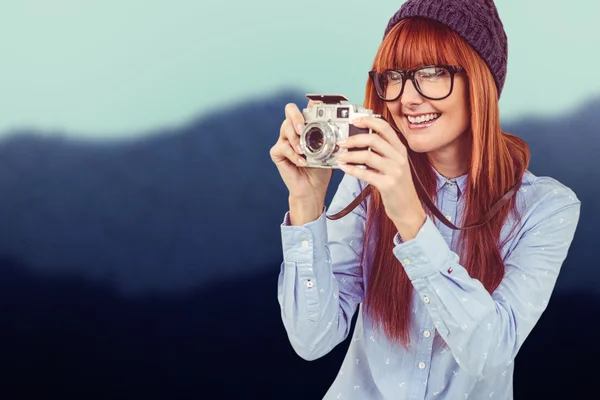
477, 21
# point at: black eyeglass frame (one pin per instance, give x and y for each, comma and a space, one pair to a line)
410, 74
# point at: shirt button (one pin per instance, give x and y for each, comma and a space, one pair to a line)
426, 333
421, 365
305, 244
426, 299
451, 184
309, 284
406, 261
449, 218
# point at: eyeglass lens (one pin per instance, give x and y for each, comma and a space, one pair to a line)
432, 82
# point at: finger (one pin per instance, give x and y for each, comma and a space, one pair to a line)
288, 134
368, 158
294, 126
283, 152
383, 128
373, 141
370, 176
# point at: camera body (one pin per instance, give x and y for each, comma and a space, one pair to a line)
326, 123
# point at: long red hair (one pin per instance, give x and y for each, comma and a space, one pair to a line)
498, 160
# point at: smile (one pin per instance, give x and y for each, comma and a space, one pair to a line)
422, 121
423, 118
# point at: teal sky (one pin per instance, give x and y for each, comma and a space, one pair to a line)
122, 68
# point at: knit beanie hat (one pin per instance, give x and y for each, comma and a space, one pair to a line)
477, 21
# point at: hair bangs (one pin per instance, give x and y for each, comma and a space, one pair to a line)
416, 42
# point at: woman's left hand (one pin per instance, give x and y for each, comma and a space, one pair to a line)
388, 170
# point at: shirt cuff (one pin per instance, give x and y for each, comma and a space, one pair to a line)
398, 239
304, 243
425, 254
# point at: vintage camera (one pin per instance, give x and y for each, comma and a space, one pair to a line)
326, 124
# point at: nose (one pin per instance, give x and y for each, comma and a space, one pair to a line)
410, 96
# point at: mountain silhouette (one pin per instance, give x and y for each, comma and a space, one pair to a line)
167, 212
147, 268
181, 208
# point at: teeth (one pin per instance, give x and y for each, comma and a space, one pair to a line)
423, 118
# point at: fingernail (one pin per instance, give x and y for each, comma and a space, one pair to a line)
340, 142
302, 161
299, 149
355, 121
299, 129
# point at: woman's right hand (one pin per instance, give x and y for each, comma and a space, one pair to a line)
306, 185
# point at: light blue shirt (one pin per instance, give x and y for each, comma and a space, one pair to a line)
322, 284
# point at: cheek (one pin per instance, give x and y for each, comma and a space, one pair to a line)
466, 114
464, 103
393, 108
460, 120
395, 113
459, 109
463, 115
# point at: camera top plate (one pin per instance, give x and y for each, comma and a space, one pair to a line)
327, 98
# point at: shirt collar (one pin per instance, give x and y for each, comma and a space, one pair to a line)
460, 181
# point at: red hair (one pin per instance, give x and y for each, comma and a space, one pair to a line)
498, 160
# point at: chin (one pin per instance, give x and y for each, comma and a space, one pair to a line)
421, 144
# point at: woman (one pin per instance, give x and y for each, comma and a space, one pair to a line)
443, 310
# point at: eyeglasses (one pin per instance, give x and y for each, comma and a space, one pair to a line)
434, 82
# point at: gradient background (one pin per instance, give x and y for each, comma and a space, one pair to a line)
140, 211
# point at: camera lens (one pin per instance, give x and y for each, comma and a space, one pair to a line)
318, 140
315, 139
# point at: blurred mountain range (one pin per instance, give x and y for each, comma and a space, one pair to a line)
188, 219
203, 201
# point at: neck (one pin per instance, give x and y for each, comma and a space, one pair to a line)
452, 161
